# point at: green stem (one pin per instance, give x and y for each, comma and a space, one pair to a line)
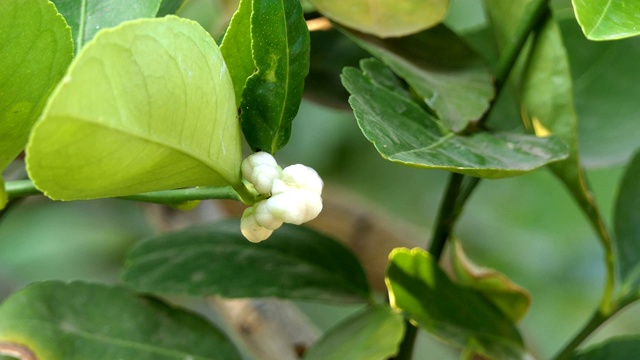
448, 214
22, 188
405, 352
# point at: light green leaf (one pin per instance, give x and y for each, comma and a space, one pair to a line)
87, 17
547, 107
403, 132
455, 314
4, 198
511, 299
373, 334
236, 47
618, 348
608, 19
76, 321
627, 227
604, 74
295, 263
146, 106
446, 73
32, 64
272, 95
384, 18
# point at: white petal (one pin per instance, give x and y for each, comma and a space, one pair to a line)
288, 207
302, 177
250, 228
265, 218
260, 169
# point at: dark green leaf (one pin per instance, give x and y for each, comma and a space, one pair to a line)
4, 198
373, 334
619, 348
272, 95
77, 321
330, 53
295, 263
604, 75
236, 48
455, 314
87, 17
404, 132
168, 7
627, 226
608, 19
448, 75
35, 52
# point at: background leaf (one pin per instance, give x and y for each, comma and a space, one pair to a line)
4, 198
295, 263
236, 47
168, 7
146, 106
618, 348
455, 314
70, 321
272, 95
87, 17
404, 132
32, 64
627, 226
608, 19
446, 73
384, 18
373, 334
511, 299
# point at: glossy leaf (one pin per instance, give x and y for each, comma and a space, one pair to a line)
295, 263
511, 299
547, 106
384, 18
373, 334
627, 226
446, 73
403, 132
604, 74
452, 313
33, 63
608, 19
147, 106
330, 53
272, 95
236, 48
76, 321
618, 348
87, 17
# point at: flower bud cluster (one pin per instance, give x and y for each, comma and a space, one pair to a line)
294, 195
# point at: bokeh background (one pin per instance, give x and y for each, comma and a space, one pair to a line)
527, 227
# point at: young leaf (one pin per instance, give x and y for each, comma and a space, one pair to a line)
295, 263
455, 314
445, 72
627, 227
547, 106
145, 106
373, 334
604, 74
236, 48
608, 19
87, 17
76, 321
507, 296
384, 18
403, 132
272, 95
33, 63
618, 348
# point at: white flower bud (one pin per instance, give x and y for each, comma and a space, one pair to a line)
295, 206
265, 218
298, 177
250, 227
261, 169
